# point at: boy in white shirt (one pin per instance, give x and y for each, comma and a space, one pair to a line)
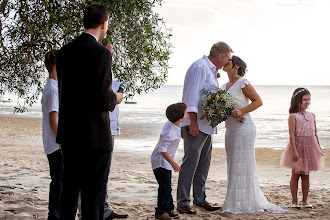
50, 105
162, 159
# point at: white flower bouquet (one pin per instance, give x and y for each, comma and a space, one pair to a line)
217, 106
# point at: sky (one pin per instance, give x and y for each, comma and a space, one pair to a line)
283, 42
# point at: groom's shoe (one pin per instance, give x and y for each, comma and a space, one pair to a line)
209, 207
186, 210
115, 215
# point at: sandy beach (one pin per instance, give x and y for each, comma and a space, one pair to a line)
132, 188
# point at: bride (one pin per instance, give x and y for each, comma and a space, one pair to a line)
243, 191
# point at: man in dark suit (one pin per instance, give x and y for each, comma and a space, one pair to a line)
85, 99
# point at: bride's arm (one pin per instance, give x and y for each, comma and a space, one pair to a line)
256, 101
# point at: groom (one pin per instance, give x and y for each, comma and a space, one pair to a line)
196, 133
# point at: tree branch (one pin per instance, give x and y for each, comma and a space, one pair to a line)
3, 6
2, 10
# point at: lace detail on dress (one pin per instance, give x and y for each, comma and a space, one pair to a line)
240, 102
244, 82
243, 191
305, 124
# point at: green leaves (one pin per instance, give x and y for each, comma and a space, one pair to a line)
28, 30
143, 45
31, 28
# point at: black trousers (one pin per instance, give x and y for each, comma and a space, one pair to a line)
165, 199
86, 172
55, 160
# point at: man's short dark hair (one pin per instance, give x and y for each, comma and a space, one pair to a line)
94, 16
176, 111
50, 60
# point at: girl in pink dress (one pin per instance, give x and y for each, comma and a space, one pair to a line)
303, 153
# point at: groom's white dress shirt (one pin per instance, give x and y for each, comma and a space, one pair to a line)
202, 74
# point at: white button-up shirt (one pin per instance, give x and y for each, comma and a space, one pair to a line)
49, 103
168, 142
202, 74
114, 124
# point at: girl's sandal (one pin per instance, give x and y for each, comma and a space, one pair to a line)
294, 206
309, 206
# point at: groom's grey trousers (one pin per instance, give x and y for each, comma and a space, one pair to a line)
194, 168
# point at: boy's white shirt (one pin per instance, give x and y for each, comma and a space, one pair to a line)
168, 142
49, 103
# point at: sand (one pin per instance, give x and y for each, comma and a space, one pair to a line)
24, 180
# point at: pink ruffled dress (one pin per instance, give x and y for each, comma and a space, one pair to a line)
310, 155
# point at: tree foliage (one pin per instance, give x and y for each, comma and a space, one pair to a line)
30, 28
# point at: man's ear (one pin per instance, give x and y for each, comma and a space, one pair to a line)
103, 25
220, 56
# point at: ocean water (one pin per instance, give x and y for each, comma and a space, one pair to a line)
141, 123
147, 117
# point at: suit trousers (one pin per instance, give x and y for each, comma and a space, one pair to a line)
87, 173
194, 168
107, 207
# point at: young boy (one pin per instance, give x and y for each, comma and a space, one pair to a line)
162, 160
50, 105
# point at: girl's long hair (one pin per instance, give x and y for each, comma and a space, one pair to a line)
296, 99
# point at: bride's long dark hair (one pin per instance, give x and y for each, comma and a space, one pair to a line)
296, 99
242, 65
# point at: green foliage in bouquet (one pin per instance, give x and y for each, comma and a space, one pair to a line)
217, 106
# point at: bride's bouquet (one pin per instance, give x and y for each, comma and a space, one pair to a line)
217, 106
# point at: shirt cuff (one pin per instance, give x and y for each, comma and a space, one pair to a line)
192, 109
163, 149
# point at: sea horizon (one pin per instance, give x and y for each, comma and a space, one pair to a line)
141, 123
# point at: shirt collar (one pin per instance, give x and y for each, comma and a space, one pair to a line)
211, 65
52, 81
174, 126
92, 35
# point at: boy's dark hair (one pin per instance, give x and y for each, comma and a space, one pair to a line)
50, 60
94, 16
296, 99
176, 111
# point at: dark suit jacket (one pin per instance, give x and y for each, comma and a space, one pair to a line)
85, 95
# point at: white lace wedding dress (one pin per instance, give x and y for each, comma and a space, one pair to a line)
243, 191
